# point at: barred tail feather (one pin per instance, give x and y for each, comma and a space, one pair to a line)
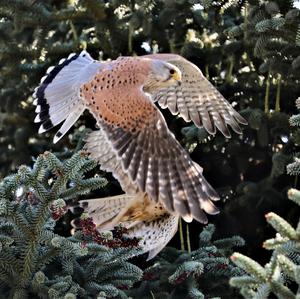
58, 96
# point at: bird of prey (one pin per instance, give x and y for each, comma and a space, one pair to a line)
160, 181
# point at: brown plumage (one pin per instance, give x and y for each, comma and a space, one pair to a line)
196, 99
160, 179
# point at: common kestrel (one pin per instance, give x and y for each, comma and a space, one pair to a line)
160, 181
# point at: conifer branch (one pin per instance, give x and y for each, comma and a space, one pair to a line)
277, 276
188, 274
35, 260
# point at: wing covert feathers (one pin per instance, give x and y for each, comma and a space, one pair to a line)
197, 100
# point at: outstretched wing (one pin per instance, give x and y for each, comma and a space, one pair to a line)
150, 154
58, 96
100, 150
196, 99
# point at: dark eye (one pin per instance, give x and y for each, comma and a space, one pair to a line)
172, 72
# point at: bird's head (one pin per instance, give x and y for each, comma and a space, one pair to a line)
162, 74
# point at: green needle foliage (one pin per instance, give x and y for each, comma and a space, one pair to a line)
279, 276
37, 262
196, 274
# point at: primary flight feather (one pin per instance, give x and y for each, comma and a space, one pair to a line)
160, 180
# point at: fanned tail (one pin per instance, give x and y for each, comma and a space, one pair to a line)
58, 96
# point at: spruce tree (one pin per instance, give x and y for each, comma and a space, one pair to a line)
282, 271
37, 262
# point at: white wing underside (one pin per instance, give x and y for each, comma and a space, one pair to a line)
58, 95
107, 212
101, 151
